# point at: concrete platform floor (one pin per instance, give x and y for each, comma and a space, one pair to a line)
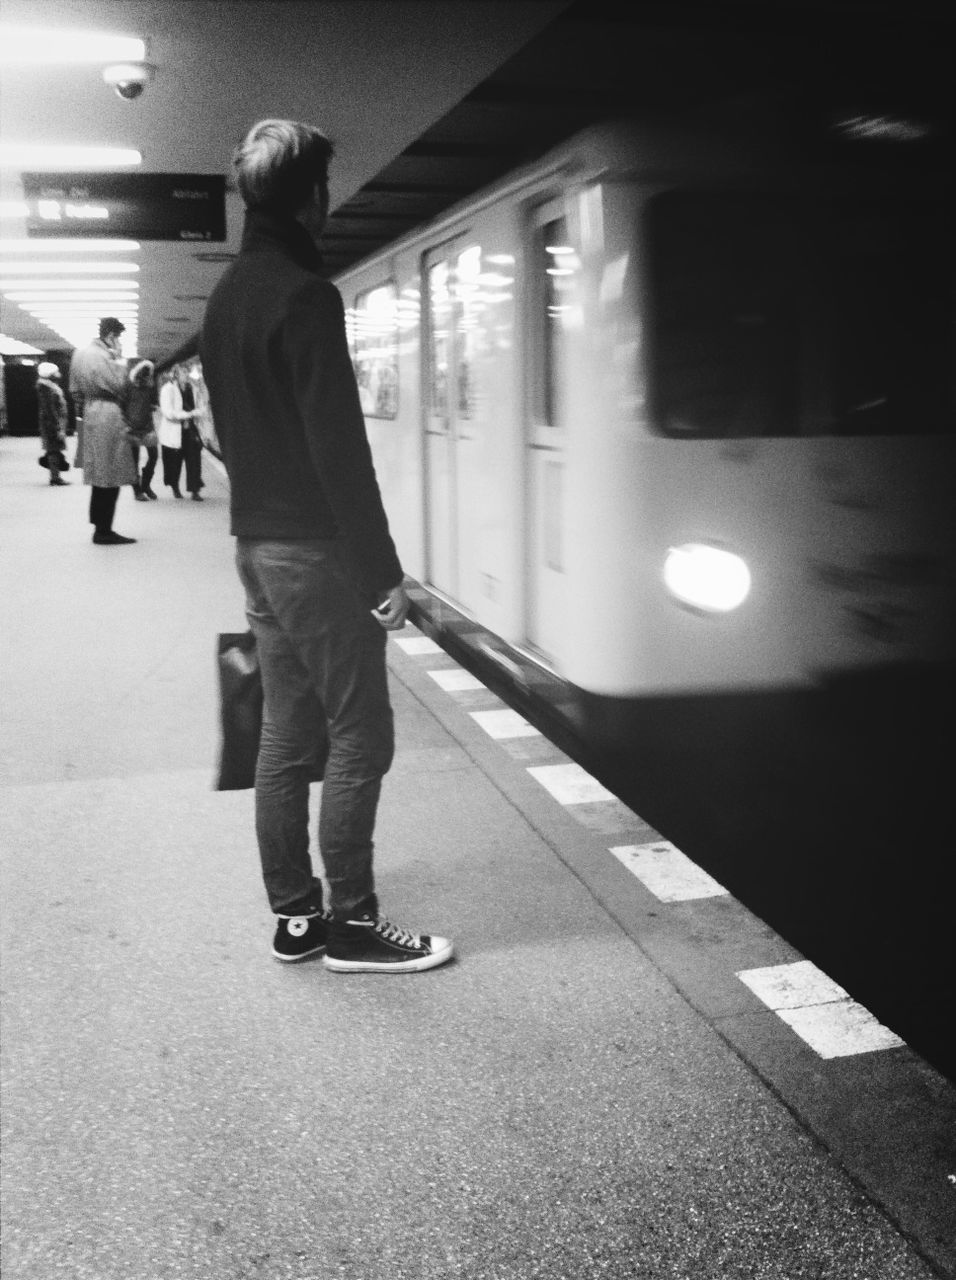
176, 1104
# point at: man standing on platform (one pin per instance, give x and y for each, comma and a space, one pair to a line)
99, 386
322, 579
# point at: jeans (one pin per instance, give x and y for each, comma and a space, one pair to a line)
322, 655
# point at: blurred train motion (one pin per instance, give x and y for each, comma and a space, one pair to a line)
669, 413
665, 419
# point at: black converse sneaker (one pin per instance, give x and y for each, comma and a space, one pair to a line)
301, 936
368, 944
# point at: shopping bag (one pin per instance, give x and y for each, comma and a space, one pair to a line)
240, 715
240, 710
58, 457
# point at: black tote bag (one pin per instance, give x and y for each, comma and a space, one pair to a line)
240, 710
240, 715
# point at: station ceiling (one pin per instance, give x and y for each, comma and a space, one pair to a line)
429, 100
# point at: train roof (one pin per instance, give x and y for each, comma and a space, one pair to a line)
733, 146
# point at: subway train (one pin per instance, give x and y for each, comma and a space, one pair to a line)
663, 425
669, 413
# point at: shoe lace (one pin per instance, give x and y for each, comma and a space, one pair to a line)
394, 934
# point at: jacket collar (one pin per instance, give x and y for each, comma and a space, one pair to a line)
265, 230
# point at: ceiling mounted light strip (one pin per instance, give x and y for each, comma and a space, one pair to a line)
66, 245
10, 269
34, 46
39, 157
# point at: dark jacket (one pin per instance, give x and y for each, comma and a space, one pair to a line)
139, 408
285, 403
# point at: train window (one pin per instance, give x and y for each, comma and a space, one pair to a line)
468, 291
723, 334
440, 317
555, 261
373, 326
755, 314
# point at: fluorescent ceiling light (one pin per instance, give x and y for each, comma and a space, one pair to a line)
34, 156
56, 286
80, 295
128, 305
65, 244
13, 347
30, 46
61, 302
11, 269
83, 309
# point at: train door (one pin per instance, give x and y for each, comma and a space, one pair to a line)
450, 429
553, 261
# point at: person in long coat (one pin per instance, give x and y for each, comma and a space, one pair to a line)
99, 386
53, 419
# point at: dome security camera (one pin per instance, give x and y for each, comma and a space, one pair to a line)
128, 79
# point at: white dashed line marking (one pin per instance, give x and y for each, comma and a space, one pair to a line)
569, 784
455, 679
815, 1007
504, 724
819, 1010
792, 986
667, 873
840, 1030
418, 645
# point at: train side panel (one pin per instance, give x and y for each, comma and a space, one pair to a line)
452, 463
531, 485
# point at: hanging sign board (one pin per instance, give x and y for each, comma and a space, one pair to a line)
135, 206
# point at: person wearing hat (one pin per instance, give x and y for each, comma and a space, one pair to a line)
100, 387
53, 417
139, 418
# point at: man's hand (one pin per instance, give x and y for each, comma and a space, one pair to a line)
393, 609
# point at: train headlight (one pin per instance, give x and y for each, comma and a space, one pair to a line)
706, 577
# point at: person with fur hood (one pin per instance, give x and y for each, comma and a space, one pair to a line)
53, 420
139, 418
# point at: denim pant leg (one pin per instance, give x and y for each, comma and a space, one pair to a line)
321, 653
291, 720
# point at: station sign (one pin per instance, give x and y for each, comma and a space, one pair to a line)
135, 206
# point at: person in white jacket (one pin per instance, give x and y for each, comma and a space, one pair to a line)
176, 419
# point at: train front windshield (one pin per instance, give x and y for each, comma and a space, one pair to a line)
782, 316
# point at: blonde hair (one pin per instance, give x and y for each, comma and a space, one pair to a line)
279, 163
